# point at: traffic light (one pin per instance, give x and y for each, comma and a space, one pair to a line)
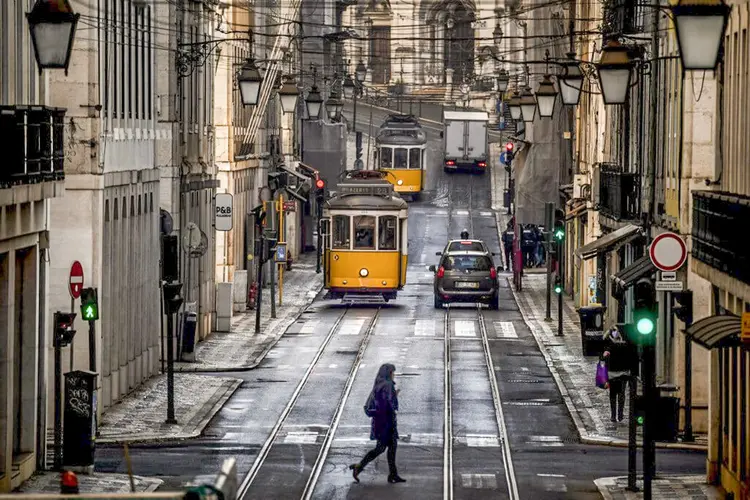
639, 408
302, 191
89, 304
509, 153
645, 309
270, 249
684, 309
559, 229
64, 331
558, 285
170, 258
259, 215
172, 298
320, 190
277, 180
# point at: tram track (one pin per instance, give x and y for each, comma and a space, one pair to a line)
244, 490
447, 410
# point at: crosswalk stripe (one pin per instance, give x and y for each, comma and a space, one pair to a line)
351, 326
424, 328
505, 330
464, 328
301, 437
309, 326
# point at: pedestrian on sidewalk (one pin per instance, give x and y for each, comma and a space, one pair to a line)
618, 380
381, 406
508, 236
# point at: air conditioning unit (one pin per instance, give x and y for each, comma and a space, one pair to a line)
580, 185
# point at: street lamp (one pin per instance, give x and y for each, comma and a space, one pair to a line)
52, 25
514, 105
528, 105
497, 35
503, 78
288, 94
334, 106
250, 81
570, 81
700, 27
546, 97
349, 88
615, 72
360, 72
313, 103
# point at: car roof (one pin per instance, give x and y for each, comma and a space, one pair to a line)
465, 239
466, 252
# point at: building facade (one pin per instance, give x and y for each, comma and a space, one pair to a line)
32, 178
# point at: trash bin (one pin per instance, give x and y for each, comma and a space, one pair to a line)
190, 321
592, 329
79, 432
666, 415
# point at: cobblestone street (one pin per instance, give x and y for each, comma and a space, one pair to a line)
668, 487
98, 483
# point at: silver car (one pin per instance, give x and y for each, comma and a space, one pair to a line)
465, 245
466, 276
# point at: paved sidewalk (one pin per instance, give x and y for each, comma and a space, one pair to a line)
241, 349
98, 483
666, 487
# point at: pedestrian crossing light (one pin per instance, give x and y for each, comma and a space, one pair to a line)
89, 304
645, 309
558, 285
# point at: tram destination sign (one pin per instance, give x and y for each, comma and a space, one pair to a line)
366, 189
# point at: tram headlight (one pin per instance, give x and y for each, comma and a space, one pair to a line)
363, 272
400, 182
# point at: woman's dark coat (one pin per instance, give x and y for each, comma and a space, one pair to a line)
384, 426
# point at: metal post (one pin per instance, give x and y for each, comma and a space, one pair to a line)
632, 424
320, 239
272, 263
58, 398
549, 215
170, 367
282, 239
688, 432
258, 300
649, 452
559, 295
92, 346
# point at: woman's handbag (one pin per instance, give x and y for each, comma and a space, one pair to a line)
602, 375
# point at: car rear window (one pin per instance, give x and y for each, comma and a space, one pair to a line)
471, 246
466, 263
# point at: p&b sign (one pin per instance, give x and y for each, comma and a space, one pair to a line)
223, 215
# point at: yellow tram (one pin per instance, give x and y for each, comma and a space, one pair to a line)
400, 151
364, 227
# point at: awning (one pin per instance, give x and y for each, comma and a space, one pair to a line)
609, 241
716, 331
641, 268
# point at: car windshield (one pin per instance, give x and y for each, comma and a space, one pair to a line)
471, 246
466, 263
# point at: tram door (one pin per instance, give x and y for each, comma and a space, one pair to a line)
325, 231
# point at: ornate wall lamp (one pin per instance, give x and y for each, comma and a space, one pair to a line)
53, 26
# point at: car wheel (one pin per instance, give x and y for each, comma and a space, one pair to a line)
438, 303
495, 303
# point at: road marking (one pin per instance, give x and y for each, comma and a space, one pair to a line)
505, 330
482, 441
301, 437
333, 365
461, 212
551, 475
464, 328
485, 214
545, 440
425, 328
479, 481
447, 411
309, 326
351, 326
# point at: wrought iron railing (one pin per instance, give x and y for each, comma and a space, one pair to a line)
34, 139
618, 194
718, 236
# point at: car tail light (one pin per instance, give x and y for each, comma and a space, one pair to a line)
450, 162
493, 273
441, 272
482, 164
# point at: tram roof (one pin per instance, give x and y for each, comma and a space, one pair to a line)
400, 140
396, 120
366, 202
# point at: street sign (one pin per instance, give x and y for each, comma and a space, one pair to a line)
669, 286
223, 215
503, 156
668, 252
745, 334
75, 279
668, 276
290, 206
280, 253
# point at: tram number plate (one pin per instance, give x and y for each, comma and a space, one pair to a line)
467, 284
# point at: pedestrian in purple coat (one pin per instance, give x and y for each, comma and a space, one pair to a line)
381, 406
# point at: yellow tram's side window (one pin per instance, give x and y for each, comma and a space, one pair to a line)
386, 158
400, 158
364, 232
340, 232
415, 158
387, 226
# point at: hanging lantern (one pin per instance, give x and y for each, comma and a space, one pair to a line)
313, 103
288, 94
503, 78
700, 27
250, 81
360, 72
546, 97
514, 105
334, 106
53, 26
615, 72
528, 105
497, 35
349, 88
570, 81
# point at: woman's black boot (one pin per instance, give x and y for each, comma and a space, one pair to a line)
356, 469
395, 478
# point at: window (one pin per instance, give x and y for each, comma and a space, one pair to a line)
400, 158
340, 232
415, 158
387, 232
364, 232
386, 158
471, 246
466, 263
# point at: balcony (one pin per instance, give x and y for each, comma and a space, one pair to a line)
718, 237
618, 193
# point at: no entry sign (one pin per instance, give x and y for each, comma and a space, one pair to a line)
75, 280
668, 252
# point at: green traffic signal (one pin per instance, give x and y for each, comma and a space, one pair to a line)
559, 234
558, 289
645, 326
90, 313
639, 420
89, 304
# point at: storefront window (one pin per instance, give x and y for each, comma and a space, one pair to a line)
401, 158
387, 232
415, 158
386, 158
340, 232
364, 232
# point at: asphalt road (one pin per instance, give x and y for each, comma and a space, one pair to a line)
297, 421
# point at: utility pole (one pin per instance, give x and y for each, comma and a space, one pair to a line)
261, 260
632, 422
172, 302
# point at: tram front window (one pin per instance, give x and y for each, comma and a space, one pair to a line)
340, 232
387, 233
364, 232
400, 159
386, 158
415, 158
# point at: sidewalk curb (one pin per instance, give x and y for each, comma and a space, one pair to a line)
198, 429
583, 434
262, 355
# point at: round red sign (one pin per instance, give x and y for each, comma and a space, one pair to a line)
668, 252
75, 280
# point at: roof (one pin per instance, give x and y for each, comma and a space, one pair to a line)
466, 115
716, 331
609, 241
641, 268
467, 252
366, 202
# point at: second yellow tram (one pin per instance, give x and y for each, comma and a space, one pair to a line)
364, 230
400, 152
